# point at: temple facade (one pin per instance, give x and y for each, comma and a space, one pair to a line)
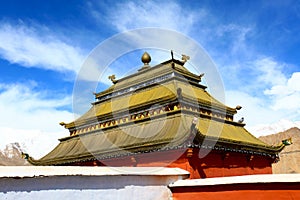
162, 116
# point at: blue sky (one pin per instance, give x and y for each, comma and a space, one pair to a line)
254, 44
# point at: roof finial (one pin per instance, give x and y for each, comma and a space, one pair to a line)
172, 55
146, 58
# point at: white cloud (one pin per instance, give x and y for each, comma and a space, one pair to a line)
269, 99
254, 75
273, 128
37, 47
31, 118
286, 87
254, 109
260, 118
286, 94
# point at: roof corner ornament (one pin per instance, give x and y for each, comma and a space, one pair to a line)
113, 79
63, 124
194, 124
241, 120
287, 142
185, 58
25, 155
201, 75
238, 107
194, 137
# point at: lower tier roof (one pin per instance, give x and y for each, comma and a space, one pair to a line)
166, 132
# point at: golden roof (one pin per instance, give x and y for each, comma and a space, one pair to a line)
149, 136
153, 110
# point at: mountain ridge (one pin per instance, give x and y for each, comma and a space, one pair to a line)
11, 155
290, 156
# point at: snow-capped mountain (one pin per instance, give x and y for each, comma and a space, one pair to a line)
11, 155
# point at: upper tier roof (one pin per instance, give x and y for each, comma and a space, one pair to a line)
149, 86
147, 74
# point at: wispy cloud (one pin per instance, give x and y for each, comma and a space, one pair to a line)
131, 15
270, 71
234, 37
31, 117
39, 47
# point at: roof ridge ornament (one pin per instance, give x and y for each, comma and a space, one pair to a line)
113, 79
185, 58
172, 55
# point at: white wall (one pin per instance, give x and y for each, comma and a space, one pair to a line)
87, 182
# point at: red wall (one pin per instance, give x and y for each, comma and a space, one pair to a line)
215, 164
251, 191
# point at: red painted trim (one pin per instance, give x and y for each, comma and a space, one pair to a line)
265, 191
215, 164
